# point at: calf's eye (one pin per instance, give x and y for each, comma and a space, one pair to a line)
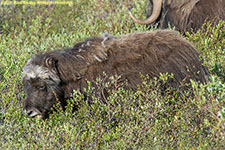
42, 87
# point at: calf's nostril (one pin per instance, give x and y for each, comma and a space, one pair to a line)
29, 113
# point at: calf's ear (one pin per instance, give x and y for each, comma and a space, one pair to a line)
50, 62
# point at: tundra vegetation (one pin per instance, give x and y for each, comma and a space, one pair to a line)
139, 119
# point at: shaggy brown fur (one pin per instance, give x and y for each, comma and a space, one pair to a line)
56, 74
188, 15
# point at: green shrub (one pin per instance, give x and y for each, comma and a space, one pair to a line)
210, 42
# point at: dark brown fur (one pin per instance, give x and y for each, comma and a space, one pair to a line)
127, 55
189, 15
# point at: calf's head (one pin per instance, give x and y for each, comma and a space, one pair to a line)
41, 85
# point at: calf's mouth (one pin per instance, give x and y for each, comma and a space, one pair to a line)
32, 112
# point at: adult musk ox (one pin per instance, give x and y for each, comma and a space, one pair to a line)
52, 76
185, 15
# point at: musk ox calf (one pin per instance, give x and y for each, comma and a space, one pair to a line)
52, 76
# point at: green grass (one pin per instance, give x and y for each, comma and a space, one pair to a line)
142, 119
